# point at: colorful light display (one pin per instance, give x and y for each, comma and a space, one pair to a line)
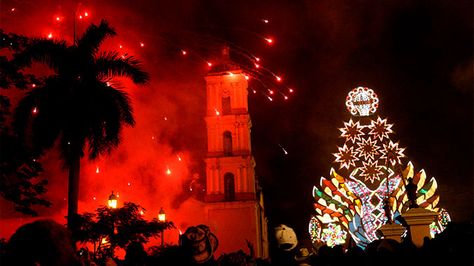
334, 235
371, 176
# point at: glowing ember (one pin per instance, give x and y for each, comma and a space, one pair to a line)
269, 40
168, 171
50, 35
35, 110
183, 52
142, 44
97, 170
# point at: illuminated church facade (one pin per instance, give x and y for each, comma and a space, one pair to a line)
233, 201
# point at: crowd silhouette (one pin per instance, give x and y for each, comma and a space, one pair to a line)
45, 242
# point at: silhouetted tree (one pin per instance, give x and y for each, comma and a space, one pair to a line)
19, 169
110, 228
77, 106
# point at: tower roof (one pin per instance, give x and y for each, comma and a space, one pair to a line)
224, 62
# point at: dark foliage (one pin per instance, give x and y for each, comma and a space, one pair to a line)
11, 74
109, 228
19, 168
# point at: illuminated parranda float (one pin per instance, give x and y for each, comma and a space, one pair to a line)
352, 201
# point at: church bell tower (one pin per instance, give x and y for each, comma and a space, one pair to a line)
234, 201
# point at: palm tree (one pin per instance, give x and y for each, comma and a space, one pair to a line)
77, 108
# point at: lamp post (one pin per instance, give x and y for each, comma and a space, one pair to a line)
162, 219
112, 202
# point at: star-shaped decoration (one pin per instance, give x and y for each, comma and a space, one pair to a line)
346, 157
368, 149
371, 171
352, 131
392, 153
380, 129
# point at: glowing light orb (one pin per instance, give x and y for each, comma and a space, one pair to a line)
362, 101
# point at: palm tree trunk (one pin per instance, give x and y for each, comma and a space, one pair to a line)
73, 186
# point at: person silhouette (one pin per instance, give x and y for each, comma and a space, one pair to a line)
411, 189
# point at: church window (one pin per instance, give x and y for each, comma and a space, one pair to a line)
229, 187
227, 143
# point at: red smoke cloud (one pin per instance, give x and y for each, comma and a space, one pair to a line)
157, 158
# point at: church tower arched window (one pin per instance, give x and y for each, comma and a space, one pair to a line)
229, 187
227, 143
226, 108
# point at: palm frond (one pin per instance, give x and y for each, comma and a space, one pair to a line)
109, 110
49, 52
37, 119
93, 37
110, 64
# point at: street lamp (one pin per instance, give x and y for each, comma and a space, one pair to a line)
162, 215
112, 202
162, 219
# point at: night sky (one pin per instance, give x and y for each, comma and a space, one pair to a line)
416, 55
